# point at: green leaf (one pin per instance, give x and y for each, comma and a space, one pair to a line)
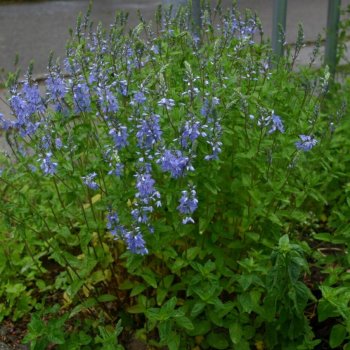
150, 278
236, 332
191, 253
217, 341
184, 322
161, 295
165, 330
74, 288
200, 327
136, 309
174, 342
137, 290
197, 309
337, 336
106, 298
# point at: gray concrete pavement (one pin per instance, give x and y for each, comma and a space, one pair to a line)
33, 29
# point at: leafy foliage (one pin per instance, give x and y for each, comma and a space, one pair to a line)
175, 187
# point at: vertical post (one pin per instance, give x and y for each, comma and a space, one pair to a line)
279, 26
175, 4
196, 14
330, 57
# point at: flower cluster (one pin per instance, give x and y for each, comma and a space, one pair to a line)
306, 143
188, 204
143, 133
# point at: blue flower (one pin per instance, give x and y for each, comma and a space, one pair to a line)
139, 97
107, 100
190, 132
56, 87
120, 136
174, 162
188, 204
58, 143
114, 226
145, 185
81, 98
123, 87
149, 132
33, 99
47, 166
135, 242
88, 180
277, 124
306, 144
168, 103
146, 197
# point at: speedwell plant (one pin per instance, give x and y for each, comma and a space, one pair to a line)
155, 187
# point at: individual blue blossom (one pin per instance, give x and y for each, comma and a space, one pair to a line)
135, 242
120, 136
29, 128
56, 90
56, 87
58, 143
23, 107
112, 220
306, 144
123, 87
148, 131
146, 197
117, 170
89, 181
188, 204
139, 97
144, 185
174, 162
32, 96
214, 133
81, 98
205, 109
167, 103
114, 227
190, 132
107, 101
209, 105
155, 49
276, 124
5, 123
47, 165
19, 108
32, 168
46, 142
114, 162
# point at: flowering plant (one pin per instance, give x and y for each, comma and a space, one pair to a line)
154, 176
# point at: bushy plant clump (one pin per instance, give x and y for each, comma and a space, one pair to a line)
158, 187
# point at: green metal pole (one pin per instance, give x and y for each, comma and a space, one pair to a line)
196, 13
330, 57
279, 26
